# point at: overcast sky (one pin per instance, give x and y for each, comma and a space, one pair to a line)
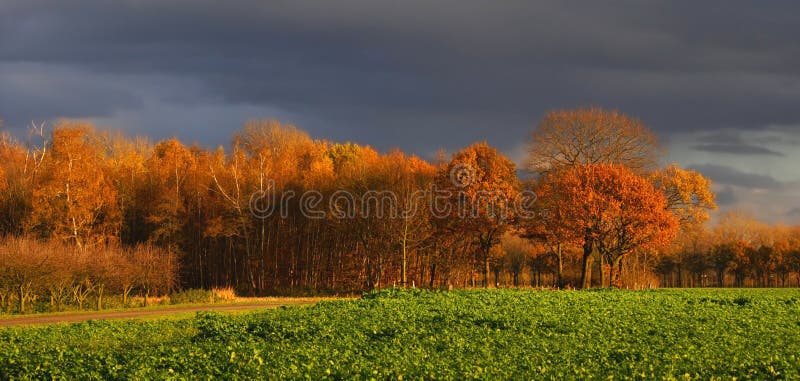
719, 82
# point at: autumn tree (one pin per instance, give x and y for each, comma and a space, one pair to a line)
25, 266
786, 253
721, 257
611, 209
516, 253
155, 270
741, 252
410, 228
271, 159
688, 193
734, 235
415, 214
105, 265
736, 225
482, 188
17, 169
567, 138
168, 169
687, 254
128, 173
74, 200
364, 206
546, 228
587, 136
753, 251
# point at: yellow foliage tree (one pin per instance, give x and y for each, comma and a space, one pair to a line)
74, 200
688, 193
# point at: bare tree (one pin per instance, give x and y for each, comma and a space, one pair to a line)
591, 135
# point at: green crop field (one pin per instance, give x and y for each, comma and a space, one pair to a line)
484, 334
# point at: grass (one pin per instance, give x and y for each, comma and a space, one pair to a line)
238, 301
481, 334
183, 315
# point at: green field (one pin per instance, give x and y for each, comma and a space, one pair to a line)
491, 334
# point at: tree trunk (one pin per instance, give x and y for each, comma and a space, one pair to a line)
602, 269
486, 248
486, 269
433, 275
370, 283
403, 270
560, 267
615, 273
586, 274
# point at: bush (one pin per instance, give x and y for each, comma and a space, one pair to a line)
194, 295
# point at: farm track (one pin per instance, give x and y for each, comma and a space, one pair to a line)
85, 316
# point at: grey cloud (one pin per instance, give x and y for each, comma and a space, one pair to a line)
732, 142
730, 176
726, 197
36, 92
738, 149
371, 66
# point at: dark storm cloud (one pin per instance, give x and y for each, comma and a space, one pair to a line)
731, 176
36, 92
456, 71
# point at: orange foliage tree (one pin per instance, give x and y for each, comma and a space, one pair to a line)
609, 208
168, 170
547, 229
74, 200
591, 135
16, 174
483, 187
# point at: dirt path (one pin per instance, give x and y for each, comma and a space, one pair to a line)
83, 316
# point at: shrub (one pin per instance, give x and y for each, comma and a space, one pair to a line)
194, 295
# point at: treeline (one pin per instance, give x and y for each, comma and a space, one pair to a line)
738, 251
87, 189
238, 218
